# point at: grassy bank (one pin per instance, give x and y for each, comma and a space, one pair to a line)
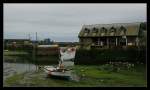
90, 76
23, 56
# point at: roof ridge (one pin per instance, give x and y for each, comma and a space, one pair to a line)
113, 23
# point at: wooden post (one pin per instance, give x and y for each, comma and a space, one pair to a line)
126, 41
107, 42
116, 41
36, 52
98, 41
137, 41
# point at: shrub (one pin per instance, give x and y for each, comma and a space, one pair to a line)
116, 66
95, 56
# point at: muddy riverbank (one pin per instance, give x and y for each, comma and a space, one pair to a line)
89, 76
21, 72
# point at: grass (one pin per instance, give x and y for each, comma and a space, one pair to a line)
122, 78
90, 76
15, 53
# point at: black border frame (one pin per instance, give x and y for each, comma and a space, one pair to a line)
65, 1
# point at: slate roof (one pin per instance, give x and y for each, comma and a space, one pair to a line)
115, 29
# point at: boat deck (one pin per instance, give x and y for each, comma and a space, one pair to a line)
62, 74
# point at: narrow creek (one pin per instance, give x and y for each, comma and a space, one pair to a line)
12, 68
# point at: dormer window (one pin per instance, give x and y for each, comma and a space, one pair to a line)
86, 30
103, 31
112, 31
95, 30
122, 30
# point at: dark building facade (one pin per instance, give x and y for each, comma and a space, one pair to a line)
109, 35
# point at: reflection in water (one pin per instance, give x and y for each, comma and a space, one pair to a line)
19, 67
10, 69
28, 63
15, 64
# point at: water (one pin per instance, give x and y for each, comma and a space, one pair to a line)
19, 64
10, 69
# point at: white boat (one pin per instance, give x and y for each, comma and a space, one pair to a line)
61, 71
67, 54
57, 72
61, 75
48, 69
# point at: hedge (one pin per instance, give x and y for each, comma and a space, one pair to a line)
28, 48
96, 56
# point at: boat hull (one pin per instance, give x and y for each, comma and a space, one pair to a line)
60, 75
57, 73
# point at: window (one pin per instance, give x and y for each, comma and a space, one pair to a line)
95, 30
103, 31
86, 30
122, 30
122, 41
112, 31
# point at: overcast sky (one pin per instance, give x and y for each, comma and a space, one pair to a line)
62, 22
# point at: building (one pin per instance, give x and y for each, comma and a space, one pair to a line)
16, 42
47, 41
65, 44
110, 35
47, 50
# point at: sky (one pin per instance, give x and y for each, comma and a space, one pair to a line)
63, 22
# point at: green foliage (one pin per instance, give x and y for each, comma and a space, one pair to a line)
117, 66
96, 56
28, 48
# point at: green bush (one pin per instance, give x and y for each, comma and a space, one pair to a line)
27, 48
95, 56
116, 66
